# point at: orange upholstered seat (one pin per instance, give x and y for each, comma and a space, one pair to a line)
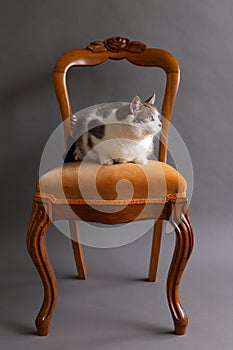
86, 182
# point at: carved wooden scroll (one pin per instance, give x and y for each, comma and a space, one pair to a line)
116, 44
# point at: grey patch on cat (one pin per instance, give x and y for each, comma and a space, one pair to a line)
123, 112
105, 109
96, 128
90, 142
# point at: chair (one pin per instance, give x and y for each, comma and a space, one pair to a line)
50, 205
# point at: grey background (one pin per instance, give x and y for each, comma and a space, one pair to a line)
115, 308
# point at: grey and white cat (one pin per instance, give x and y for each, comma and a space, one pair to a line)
115, 132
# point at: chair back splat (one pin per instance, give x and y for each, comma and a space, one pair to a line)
118, 48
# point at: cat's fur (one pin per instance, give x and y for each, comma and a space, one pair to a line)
115, 132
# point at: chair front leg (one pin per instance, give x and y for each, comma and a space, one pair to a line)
36, 243
183, 250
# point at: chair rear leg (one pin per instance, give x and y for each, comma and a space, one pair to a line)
77, 250
36, 243
158, 227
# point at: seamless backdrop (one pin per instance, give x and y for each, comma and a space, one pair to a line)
199, 34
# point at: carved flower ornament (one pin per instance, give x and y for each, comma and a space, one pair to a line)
116, 44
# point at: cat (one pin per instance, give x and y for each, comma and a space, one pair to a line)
115, 132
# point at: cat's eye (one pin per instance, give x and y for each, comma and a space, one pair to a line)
150, 118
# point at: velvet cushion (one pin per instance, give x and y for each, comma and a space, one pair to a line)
86, 182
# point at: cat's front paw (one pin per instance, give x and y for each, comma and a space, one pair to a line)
121, 160
77, 157
107, 162
139, 160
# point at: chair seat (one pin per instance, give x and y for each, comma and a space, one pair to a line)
87, 182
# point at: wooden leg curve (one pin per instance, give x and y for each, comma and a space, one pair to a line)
154, 260
77, 250
183, 250
36, 243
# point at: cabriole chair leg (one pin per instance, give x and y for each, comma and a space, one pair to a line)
36, 243
183, 250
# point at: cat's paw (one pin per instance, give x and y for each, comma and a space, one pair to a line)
121, 160
76, 157
107, 162
139, 160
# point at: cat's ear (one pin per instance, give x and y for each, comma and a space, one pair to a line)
135, 104
151, 100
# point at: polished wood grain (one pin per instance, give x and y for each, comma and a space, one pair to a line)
98, 213
36, 243
176, 211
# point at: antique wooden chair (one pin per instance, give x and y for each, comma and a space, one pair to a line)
50, 205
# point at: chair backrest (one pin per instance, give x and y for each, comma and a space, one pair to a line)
118, 48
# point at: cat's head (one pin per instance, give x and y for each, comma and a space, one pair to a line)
145, 114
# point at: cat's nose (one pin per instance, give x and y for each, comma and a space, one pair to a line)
160, 124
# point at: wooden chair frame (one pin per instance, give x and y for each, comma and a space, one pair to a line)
175, 210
